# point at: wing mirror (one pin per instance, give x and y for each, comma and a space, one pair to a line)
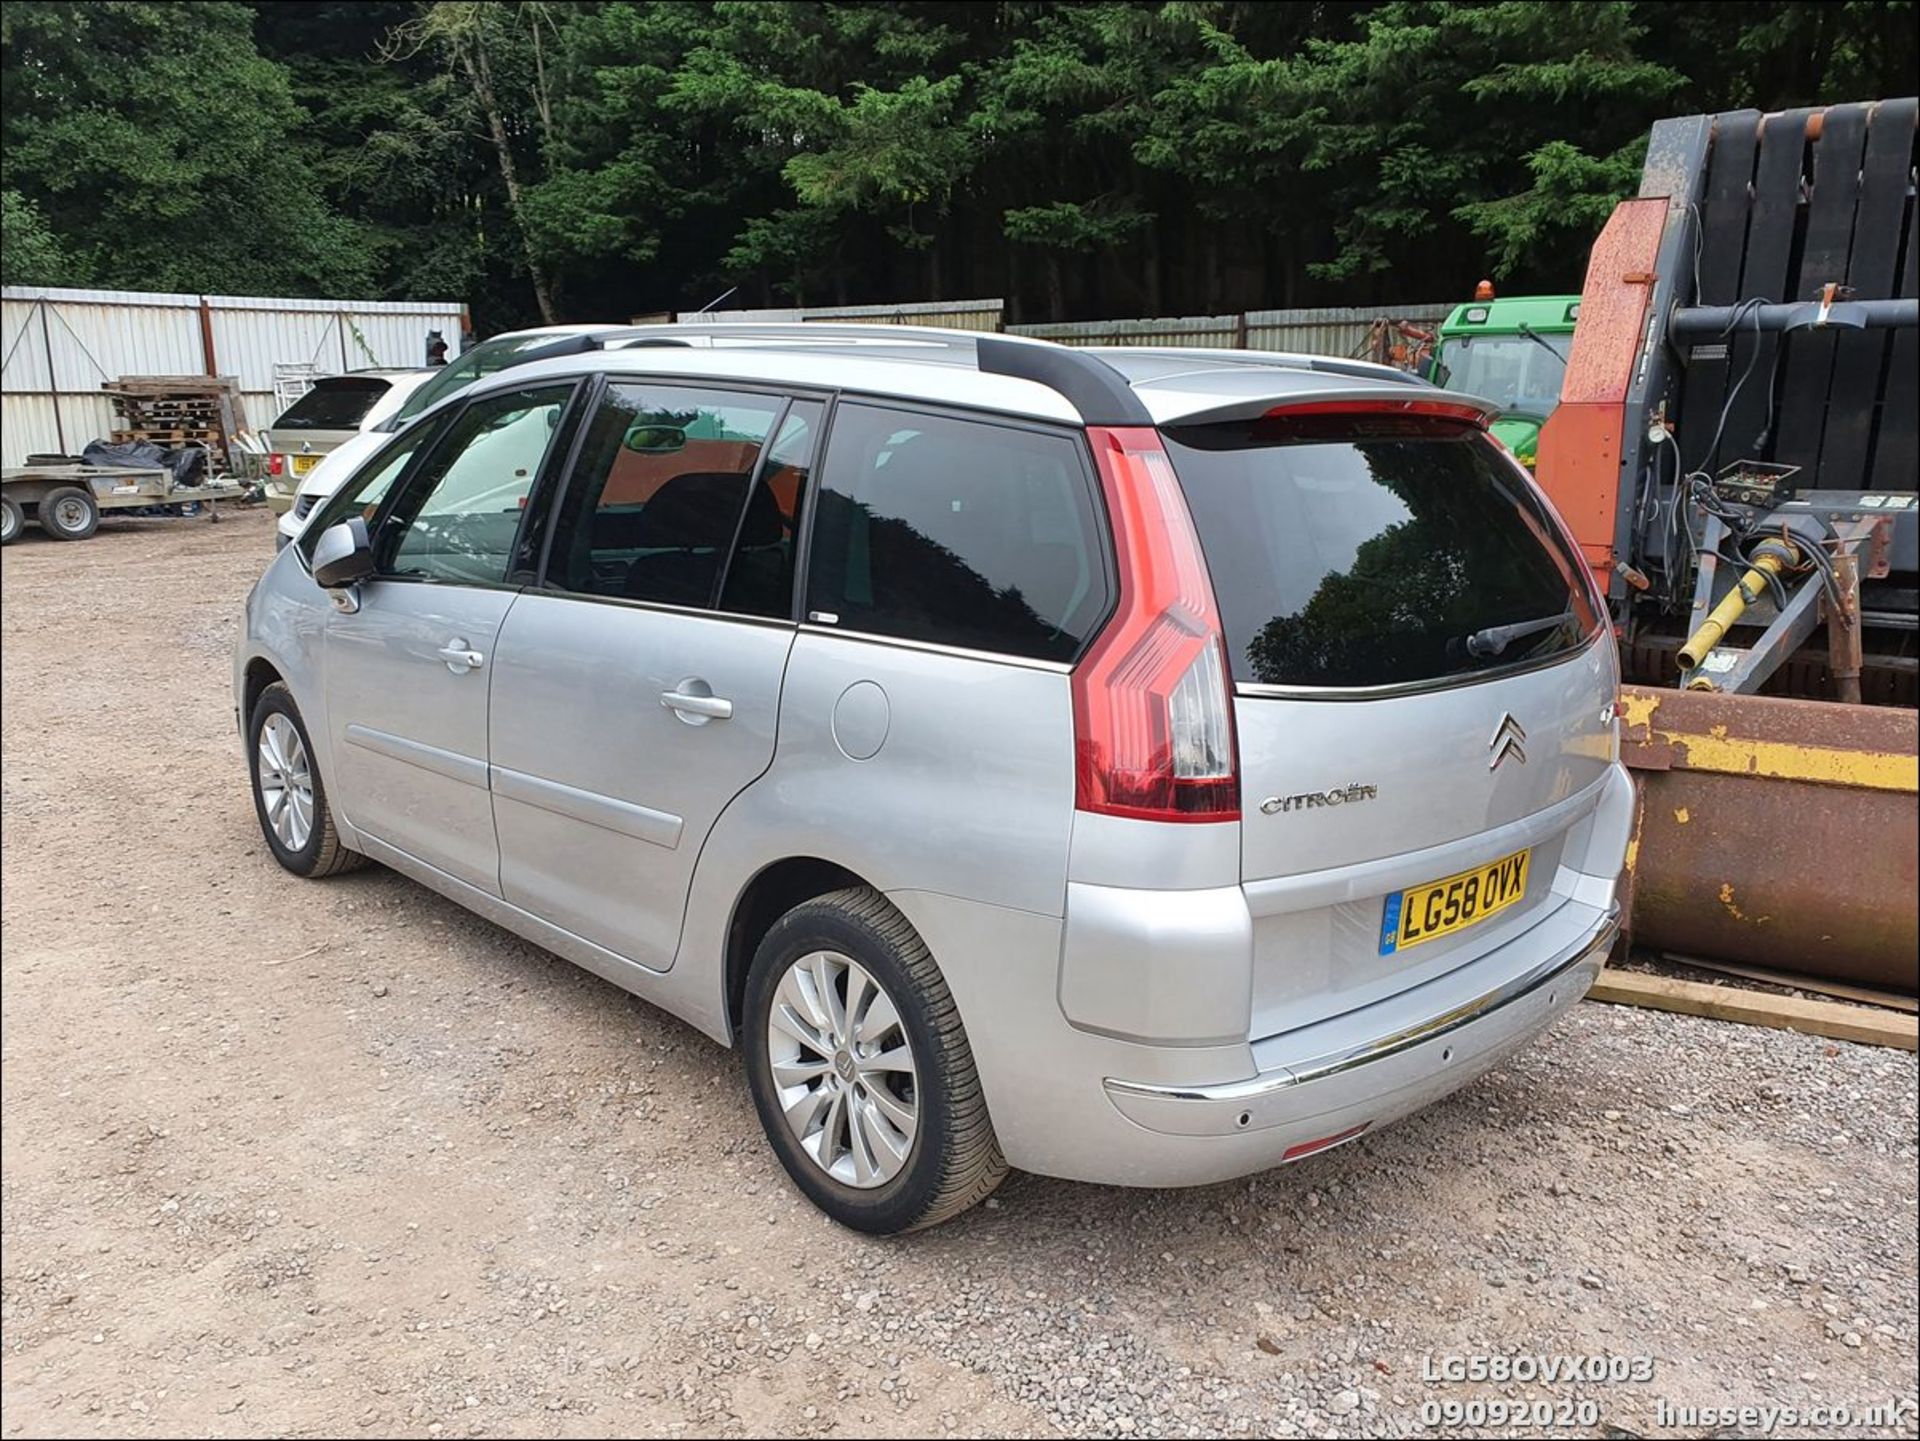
343, 556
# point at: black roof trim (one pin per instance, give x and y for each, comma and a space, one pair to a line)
1099, 392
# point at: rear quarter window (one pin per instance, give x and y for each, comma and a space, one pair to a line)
957, 532
1350, 554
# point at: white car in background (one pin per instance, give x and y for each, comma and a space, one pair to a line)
334, 410
484, 359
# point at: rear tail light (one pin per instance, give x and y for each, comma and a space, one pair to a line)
1153, 722
276, 464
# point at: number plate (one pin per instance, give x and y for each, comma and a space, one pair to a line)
304, 463
1422, 913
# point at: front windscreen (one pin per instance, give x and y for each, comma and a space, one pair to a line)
483, 360
1517, 372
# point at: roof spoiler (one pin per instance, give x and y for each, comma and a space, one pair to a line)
1435, 404
1282, 359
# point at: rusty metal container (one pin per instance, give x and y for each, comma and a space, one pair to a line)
1779, 833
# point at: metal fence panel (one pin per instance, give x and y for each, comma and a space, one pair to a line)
36, 426
1331, 329
251, 337
983, 315
1202, 331
59, 345
77, 340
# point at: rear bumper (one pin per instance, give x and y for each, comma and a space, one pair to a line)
1126, 1051
1374, 1080
1115, 1110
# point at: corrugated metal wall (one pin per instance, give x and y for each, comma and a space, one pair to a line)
1334, 329
1202, 331
1329, 330
60, 345
947, 314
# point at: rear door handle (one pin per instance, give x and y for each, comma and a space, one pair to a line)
459, 658
708, 707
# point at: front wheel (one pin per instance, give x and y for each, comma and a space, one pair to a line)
287, 794
12, 518
69, 513
861, 1071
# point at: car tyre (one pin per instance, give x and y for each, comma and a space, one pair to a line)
12, 520
288, 795
69, 513
842, 995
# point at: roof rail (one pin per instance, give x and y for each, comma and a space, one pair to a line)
1099, 394
553, 349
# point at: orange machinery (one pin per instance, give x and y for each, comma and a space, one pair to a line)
1735, 451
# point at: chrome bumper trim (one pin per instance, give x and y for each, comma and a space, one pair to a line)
1268, 1083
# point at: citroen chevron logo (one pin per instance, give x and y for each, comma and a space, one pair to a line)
1509, 739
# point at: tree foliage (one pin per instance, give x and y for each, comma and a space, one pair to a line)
1104, 158
162, 150
30, 252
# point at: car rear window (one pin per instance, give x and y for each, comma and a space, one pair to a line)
957, 532
335, 404
1348, 552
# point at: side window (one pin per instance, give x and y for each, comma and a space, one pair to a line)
362, 493
959, 532
759, 578
457, 518
657, 493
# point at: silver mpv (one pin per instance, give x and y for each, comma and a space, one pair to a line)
1139, 766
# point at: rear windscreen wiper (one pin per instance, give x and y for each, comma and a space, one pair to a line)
1496, 638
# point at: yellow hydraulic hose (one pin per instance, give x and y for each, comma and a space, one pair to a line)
1752, 585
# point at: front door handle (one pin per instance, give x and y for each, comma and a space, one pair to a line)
460, 658
688, 705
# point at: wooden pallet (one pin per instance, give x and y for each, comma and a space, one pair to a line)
176, 410
157, 435
208, 415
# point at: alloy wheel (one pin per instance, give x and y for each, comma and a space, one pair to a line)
843, 1069
286, 782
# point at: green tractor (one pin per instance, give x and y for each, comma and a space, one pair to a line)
1513, 352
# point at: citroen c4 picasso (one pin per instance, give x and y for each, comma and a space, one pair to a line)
1142, 767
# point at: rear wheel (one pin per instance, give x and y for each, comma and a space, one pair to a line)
288, 796
69, 513
12, 518
861, 1071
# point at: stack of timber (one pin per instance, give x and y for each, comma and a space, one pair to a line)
173, 411
1861, 1014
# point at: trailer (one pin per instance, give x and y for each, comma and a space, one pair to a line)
66, 498
1735, 452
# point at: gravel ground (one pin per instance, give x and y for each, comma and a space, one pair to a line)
319, 1158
